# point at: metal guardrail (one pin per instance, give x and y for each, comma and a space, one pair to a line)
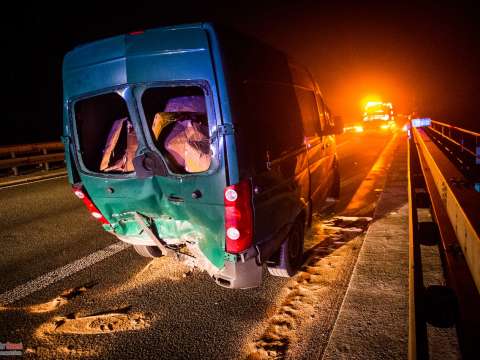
457, 227
15, 156
467, 140
417, 327
462, 146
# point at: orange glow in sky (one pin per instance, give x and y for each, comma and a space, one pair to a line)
361, 84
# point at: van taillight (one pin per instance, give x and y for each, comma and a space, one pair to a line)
82, 195
238, 217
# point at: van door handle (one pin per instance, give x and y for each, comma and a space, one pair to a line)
174, 198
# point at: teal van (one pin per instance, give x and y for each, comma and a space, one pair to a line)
200, 143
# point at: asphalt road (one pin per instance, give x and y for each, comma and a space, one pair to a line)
129, 307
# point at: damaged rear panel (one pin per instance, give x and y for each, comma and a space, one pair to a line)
142, 125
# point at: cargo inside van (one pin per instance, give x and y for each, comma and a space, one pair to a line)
177, 120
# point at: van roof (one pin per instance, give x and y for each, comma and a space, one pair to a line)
139, 32
112, 43
169, 53
131, 57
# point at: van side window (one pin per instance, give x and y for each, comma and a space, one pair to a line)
178, 124
300, 76
329, 118
309, 112
273, 122
321, 112
329, 121
107, 139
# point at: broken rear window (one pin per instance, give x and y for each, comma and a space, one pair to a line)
107, 139
178, 123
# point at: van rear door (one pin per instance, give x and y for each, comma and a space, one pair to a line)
109, 128
184, 204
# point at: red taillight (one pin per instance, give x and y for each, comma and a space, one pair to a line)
82, 195
238, 217
137, 32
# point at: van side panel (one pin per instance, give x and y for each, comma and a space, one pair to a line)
270, 147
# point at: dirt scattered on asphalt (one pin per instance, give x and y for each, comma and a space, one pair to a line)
327, 244
121, 319
69, 351
55, 303
156, 270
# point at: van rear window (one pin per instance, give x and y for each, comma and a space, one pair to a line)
106, 135
178, 124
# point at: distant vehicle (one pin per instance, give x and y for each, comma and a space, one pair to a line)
379, 115
202, 144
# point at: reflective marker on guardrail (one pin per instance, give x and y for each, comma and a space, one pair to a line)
419, 122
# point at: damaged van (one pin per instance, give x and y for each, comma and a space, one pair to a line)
199, 143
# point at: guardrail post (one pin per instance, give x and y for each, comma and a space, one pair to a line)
45, 164
15, 169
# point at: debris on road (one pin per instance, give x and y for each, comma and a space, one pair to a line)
106, 322
54, 304
332, 243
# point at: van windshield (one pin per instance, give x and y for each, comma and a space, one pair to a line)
107, 139
178, 124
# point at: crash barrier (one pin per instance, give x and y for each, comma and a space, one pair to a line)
462, 146
15, 156
436, 184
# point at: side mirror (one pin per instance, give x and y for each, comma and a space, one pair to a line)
338, 127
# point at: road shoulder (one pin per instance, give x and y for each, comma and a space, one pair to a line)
373, 319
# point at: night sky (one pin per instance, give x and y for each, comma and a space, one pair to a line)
422, 57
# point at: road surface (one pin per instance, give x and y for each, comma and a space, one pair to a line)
63, 296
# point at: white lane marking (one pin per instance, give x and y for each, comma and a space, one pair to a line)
33, 181
58, 274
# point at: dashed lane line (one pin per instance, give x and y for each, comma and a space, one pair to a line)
29, 181
47, 279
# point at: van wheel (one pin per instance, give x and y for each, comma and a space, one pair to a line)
290, 255
148, 251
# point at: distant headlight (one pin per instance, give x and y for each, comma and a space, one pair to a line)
385, 126
359, 128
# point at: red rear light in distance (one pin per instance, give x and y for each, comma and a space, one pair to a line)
82, 195
238, 217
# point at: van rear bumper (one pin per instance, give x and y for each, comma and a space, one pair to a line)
239, 275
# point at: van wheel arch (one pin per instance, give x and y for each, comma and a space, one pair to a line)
290, 254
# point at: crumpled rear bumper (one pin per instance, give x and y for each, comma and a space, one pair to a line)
239, 275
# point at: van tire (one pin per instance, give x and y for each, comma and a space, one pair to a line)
148, 251
290, 255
